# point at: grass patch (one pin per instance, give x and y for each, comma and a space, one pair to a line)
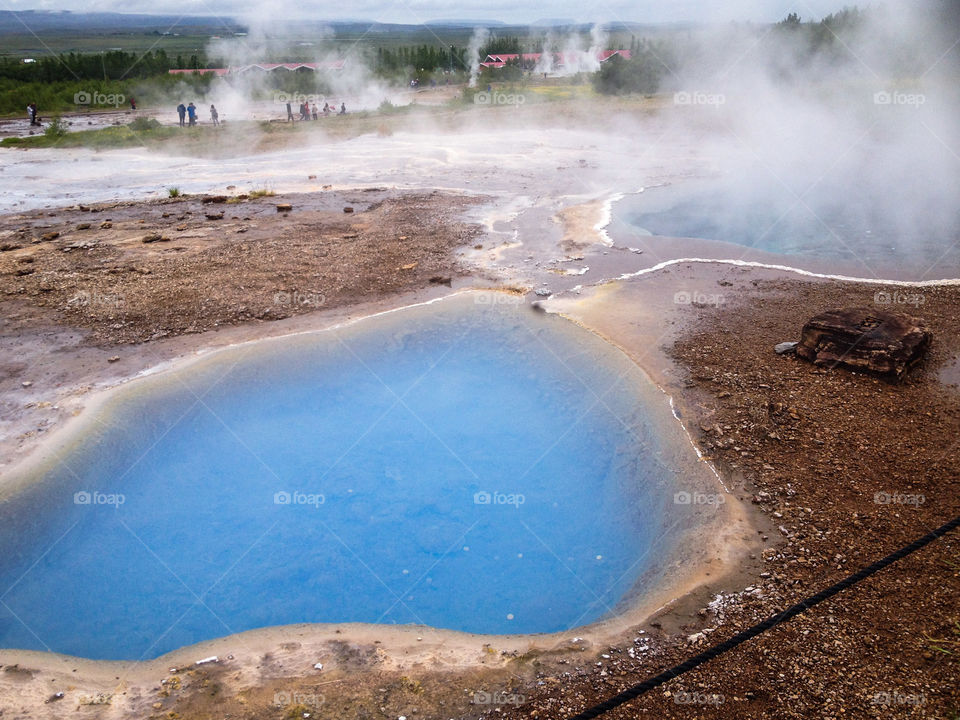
102, 139
262, 192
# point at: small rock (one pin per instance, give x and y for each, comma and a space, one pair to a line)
785, 347
113, 359
27, 383
284, 207
348, 209
215, 216
83, 226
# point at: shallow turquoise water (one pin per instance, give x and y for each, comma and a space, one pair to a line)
827, 228
473, 467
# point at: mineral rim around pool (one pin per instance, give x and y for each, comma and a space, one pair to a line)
468, 465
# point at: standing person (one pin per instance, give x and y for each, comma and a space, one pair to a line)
192, 114
182, 112
289, 113
343, 108
214, 115
326, 109
133, 104
32, 113
315, 113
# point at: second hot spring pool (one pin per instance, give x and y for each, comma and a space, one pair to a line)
468, 464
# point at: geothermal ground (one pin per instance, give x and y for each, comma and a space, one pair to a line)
828, 466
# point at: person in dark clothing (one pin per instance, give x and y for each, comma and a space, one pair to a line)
214, 115
182, 112
289, 113
192, 114
343, 108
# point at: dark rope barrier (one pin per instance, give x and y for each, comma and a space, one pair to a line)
772, 621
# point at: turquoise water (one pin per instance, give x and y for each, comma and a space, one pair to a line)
475, 467
827, 228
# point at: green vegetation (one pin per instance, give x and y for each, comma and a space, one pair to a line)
111, 137
173, 192
78, 95
261, 192
640, 74
56, 129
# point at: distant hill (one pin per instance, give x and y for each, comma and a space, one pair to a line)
51, 21
466, 23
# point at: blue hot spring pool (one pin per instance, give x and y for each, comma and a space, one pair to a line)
853, 229
477, 467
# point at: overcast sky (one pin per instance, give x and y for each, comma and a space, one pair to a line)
418, 11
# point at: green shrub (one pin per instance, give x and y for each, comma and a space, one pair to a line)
56, 129
142, 124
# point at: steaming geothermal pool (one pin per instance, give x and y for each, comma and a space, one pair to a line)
466, 465
830, 230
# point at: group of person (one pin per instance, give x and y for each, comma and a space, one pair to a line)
188, 114
32, 114
308, 112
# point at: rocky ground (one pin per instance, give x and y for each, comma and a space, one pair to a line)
849, 468
133, 272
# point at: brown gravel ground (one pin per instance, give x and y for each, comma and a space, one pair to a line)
820, 451
132, 272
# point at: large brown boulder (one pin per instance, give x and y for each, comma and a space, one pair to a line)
878, 341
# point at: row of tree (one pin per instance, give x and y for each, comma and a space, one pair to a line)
111, 65
428, 58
